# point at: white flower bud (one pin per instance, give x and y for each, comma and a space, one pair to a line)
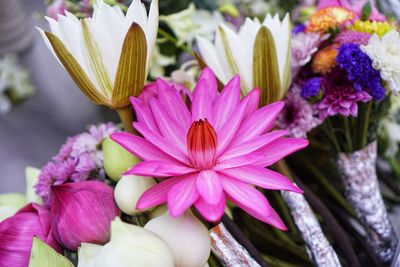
186, 236
128, 191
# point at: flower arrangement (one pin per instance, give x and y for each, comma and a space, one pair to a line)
241, 141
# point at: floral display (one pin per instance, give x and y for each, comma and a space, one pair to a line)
241, 133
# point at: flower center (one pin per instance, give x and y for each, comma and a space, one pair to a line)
202, 144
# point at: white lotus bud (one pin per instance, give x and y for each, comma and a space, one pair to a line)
130, 245
186, 236
128, 191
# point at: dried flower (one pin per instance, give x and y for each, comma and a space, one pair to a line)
359, 70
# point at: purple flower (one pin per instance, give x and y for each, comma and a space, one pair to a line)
298, 116
358, 67
349, 36
311, 88
340, 99
80, 158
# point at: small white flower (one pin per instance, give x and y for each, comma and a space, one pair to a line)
190, 22
385, 55
232, 53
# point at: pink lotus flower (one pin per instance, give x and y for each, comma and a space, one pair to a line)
82, 212
17, 232
356, 8
214, 151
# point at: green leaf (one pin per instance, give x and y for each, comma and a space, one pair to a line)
366, 11
96, 60
131, 72
42, 255
265, 67
75, 70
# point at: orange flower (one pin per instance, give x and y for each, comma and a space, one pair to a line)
325, 60
327, 18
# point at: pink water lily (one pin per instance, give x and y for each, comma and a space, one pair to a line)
214, 151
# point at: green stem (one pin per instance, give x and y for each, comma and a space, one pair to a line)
173, 40
347, 134
328, 187
365, 125
286, 215
275, 262
331, 135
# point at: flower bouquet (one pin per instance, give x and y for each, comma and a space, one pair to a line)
211, 103
345, 76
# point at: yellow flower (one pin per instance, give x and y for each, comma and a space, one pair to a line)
371, 27
328, 18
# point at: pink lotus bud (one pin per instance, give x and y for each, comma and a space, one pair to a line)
82, 212
17, 232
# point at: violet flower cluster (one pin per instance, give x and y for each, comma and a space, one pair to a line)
79, 159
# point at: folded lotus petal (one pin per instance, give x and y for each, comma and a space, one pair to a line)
252, 201
172, 101
182, 195
159, 169
135, 144
226, 103
262, 177
259, 122
143, 114
209, 186
161, 142
209, 55
236, 150
204, 96
212, 213
279, 149
156, 195
168, 126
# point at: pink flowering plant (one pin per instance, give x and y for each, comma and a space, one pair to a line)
211, 151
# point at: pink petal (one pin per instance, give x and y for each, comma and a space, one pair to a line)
204, 95
211, 213
262, 177
253, 158
144, 114
140, 147
279, 149
259, 122
252, 201
227, 103
169, 127
236, 150
173, 102
228, 131
155, 168
182, 195
161, 142
209, 186
156, 195
254, 102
